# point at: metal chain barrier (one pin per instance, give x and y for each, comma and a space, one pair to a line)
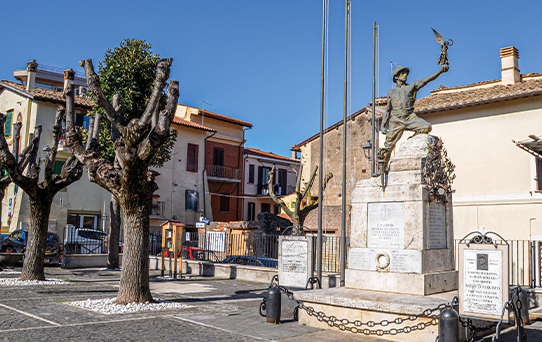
359, 327
474, 330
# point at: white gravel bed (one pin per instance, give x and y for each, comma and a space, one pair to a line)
167, 278
10, 272
107, 306
16, 282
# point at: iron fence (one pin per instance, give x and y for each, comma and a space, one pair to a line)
86, 241
222, 172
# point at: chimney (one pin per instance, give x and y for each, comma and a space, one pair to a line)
31, 68
509, 61
69, 76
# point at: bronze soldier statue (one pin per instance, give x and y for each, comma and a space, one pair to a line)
399, 115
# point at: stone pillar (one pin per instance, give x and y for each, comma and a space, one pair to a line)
402, 239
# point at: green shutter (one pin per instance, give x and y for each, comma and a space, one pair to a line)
58, 166
7, 127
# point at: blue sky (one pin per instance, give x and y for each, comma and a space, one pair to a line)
260, 61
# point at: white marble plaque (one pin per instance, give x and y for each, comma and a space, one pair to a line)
437, 225
383, 260
386, 225
294, 263
482, 282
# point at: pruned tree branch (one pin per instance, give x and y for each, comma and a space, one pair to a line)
93, 81
314, 205
309, 185
160, 133
162, 74
274, 197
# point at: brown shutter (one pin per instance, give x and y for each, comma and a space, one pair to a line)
192, 158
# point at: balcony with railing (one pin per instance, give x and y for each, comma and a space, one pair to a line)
158, 209
223, 172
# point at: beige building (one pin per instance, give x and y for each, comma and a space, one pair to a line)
257, 165
181, 194
497, 186
33, 102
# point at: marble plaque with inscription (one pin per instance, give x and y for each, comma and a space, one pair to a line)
386, 225
482, 282
437, 225
383, 260
294, 263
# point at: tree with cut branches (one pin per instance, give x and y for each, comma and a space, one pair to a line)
129, 179
127, 71
24, 171
299, 212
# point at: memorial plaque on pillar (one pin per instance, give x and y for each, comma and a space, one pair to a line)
483, 280
437, 225
386, 225
295, 262
385, 260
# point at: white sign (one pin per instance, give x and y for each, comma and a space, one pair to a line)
386, 225
483, 280
200, 225
294, 265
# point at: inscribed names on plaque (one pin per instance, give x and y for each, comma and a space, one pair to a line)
386, 225
294, 263
398, 260
482, 282
437, 225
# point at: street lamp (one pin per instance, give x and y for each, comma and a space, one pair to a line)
367, 149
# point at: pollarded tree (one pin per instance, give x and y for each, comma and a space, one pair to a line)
25, 173
299, 212
127, 71
129, 179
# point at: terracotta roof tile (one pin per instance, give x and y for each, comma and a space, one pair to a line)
268, 154
51, 95
225, 118
177, 120
469, 97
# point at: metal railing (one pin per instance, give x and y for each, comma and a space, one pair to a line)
86, 241
223, 172
213, 246
158, 209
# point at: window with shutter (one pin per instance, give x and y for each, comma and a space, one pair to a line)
7, 126
251, 174
192, 158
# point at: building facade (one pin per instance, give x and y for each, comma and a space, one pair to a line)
257, 165
223, 162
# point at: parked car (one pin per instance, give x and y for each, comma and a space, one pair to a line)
16, 243
84, 241
250, 260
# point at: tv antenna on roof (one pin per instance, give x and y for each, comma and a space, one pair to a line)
203, 103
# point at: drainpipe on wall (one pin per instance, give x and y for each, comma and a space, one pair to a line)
243, 174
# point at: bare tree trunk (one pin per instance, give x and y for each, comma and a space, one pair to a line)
134, 279
114, 232
37, 240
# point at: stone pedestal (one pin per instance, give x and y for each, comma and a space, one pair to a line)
401, 240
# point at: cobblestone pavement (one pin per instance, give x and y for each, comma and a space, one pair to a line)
221, 310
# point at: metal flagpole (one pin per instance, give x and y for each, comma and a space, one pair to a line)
343, 195
373, 123
320, 171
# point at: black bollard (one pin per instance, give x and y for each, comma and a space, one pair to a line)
524, 306
448, 326
273, 305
